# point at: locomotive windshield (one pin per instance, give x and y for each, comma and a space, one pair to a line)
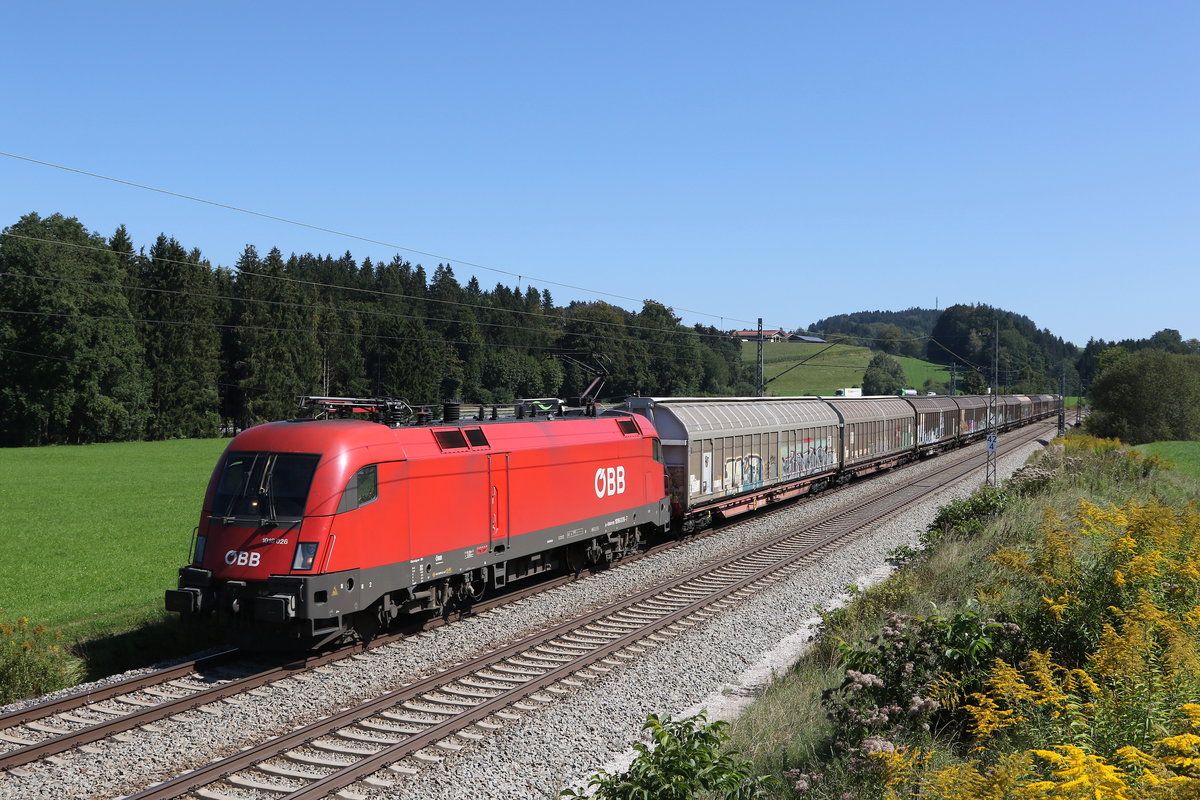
265, 486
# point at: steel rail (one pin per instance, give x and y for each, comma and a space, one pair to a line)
110, 691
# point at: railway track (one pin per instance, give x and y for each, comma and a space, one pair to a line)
42, 731
36, 732
385, 741
46, 729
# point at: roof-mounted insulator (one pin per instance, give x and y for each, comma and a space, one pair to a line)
389, 411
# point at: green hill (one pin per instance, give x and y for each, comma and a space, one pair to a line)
801, 368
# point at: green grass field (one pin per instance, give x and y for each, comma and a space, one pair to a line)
91, 536
827, 369
1184, 456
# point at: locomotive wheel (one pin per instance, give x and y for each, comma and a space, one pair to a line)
443, 600
576, 558
367, 623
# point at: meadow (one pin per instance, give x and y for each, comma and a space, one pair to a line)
826, 369
91, 536
1183, 456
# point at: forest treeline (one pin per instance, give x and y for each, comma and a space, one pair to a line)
1139, 390
101, 340
897, 333
1030, 360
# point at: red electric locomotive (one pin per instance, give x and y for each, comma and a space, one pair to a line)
312, 528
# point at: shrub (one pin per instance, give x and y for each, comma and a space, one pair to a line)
1107, 465
685, 759
1080, 679
33, 661
866, 609
886, 694
1111, 712
966, 517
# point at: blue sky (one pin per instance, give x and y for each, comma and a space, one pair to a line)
788, 161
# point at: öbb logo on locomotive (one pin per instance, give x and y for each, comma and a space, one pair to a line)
313, 530
243, 558
610, 481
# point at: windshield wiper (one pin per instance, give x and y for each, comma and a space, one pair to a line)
230, 514
265, 495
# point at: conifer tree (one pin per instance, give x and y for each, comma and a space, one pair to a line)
404, 359
459, 328
127, 257
341, 365
71, 367
182, 342
226, 311
276, 339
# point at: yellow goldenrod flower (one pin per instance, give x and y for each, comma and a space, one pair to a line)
1077, 774
1145, 566
988, 717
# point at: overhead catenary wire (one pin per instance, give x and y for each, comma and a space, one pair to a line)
280, 303
190, 323
44, 355
376, 292
92, 362
1009, 373
334, 232
422, 299
370, 240
557, 328
449, 260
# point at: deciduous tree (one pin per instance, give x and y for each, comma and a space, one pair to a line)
884, 375
1148, 396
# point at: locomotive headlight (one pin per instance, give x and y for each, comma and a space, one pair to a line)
200, 542
306, 552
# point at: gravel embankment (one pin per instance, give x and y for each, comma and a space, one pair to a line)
548, 749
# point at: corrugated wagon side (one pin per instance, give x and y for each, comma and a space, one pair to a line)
972, 416
878, 432
937, 422
1044, 405
1013, 410
726, 456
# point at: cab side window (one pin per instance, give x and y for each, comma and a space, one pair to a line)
361, 489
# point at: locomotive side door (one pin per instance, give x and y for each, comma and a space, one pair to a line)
498, 519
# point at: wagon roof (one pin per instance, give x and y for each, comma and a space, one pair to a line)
937, 403
676, 417
870, 408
